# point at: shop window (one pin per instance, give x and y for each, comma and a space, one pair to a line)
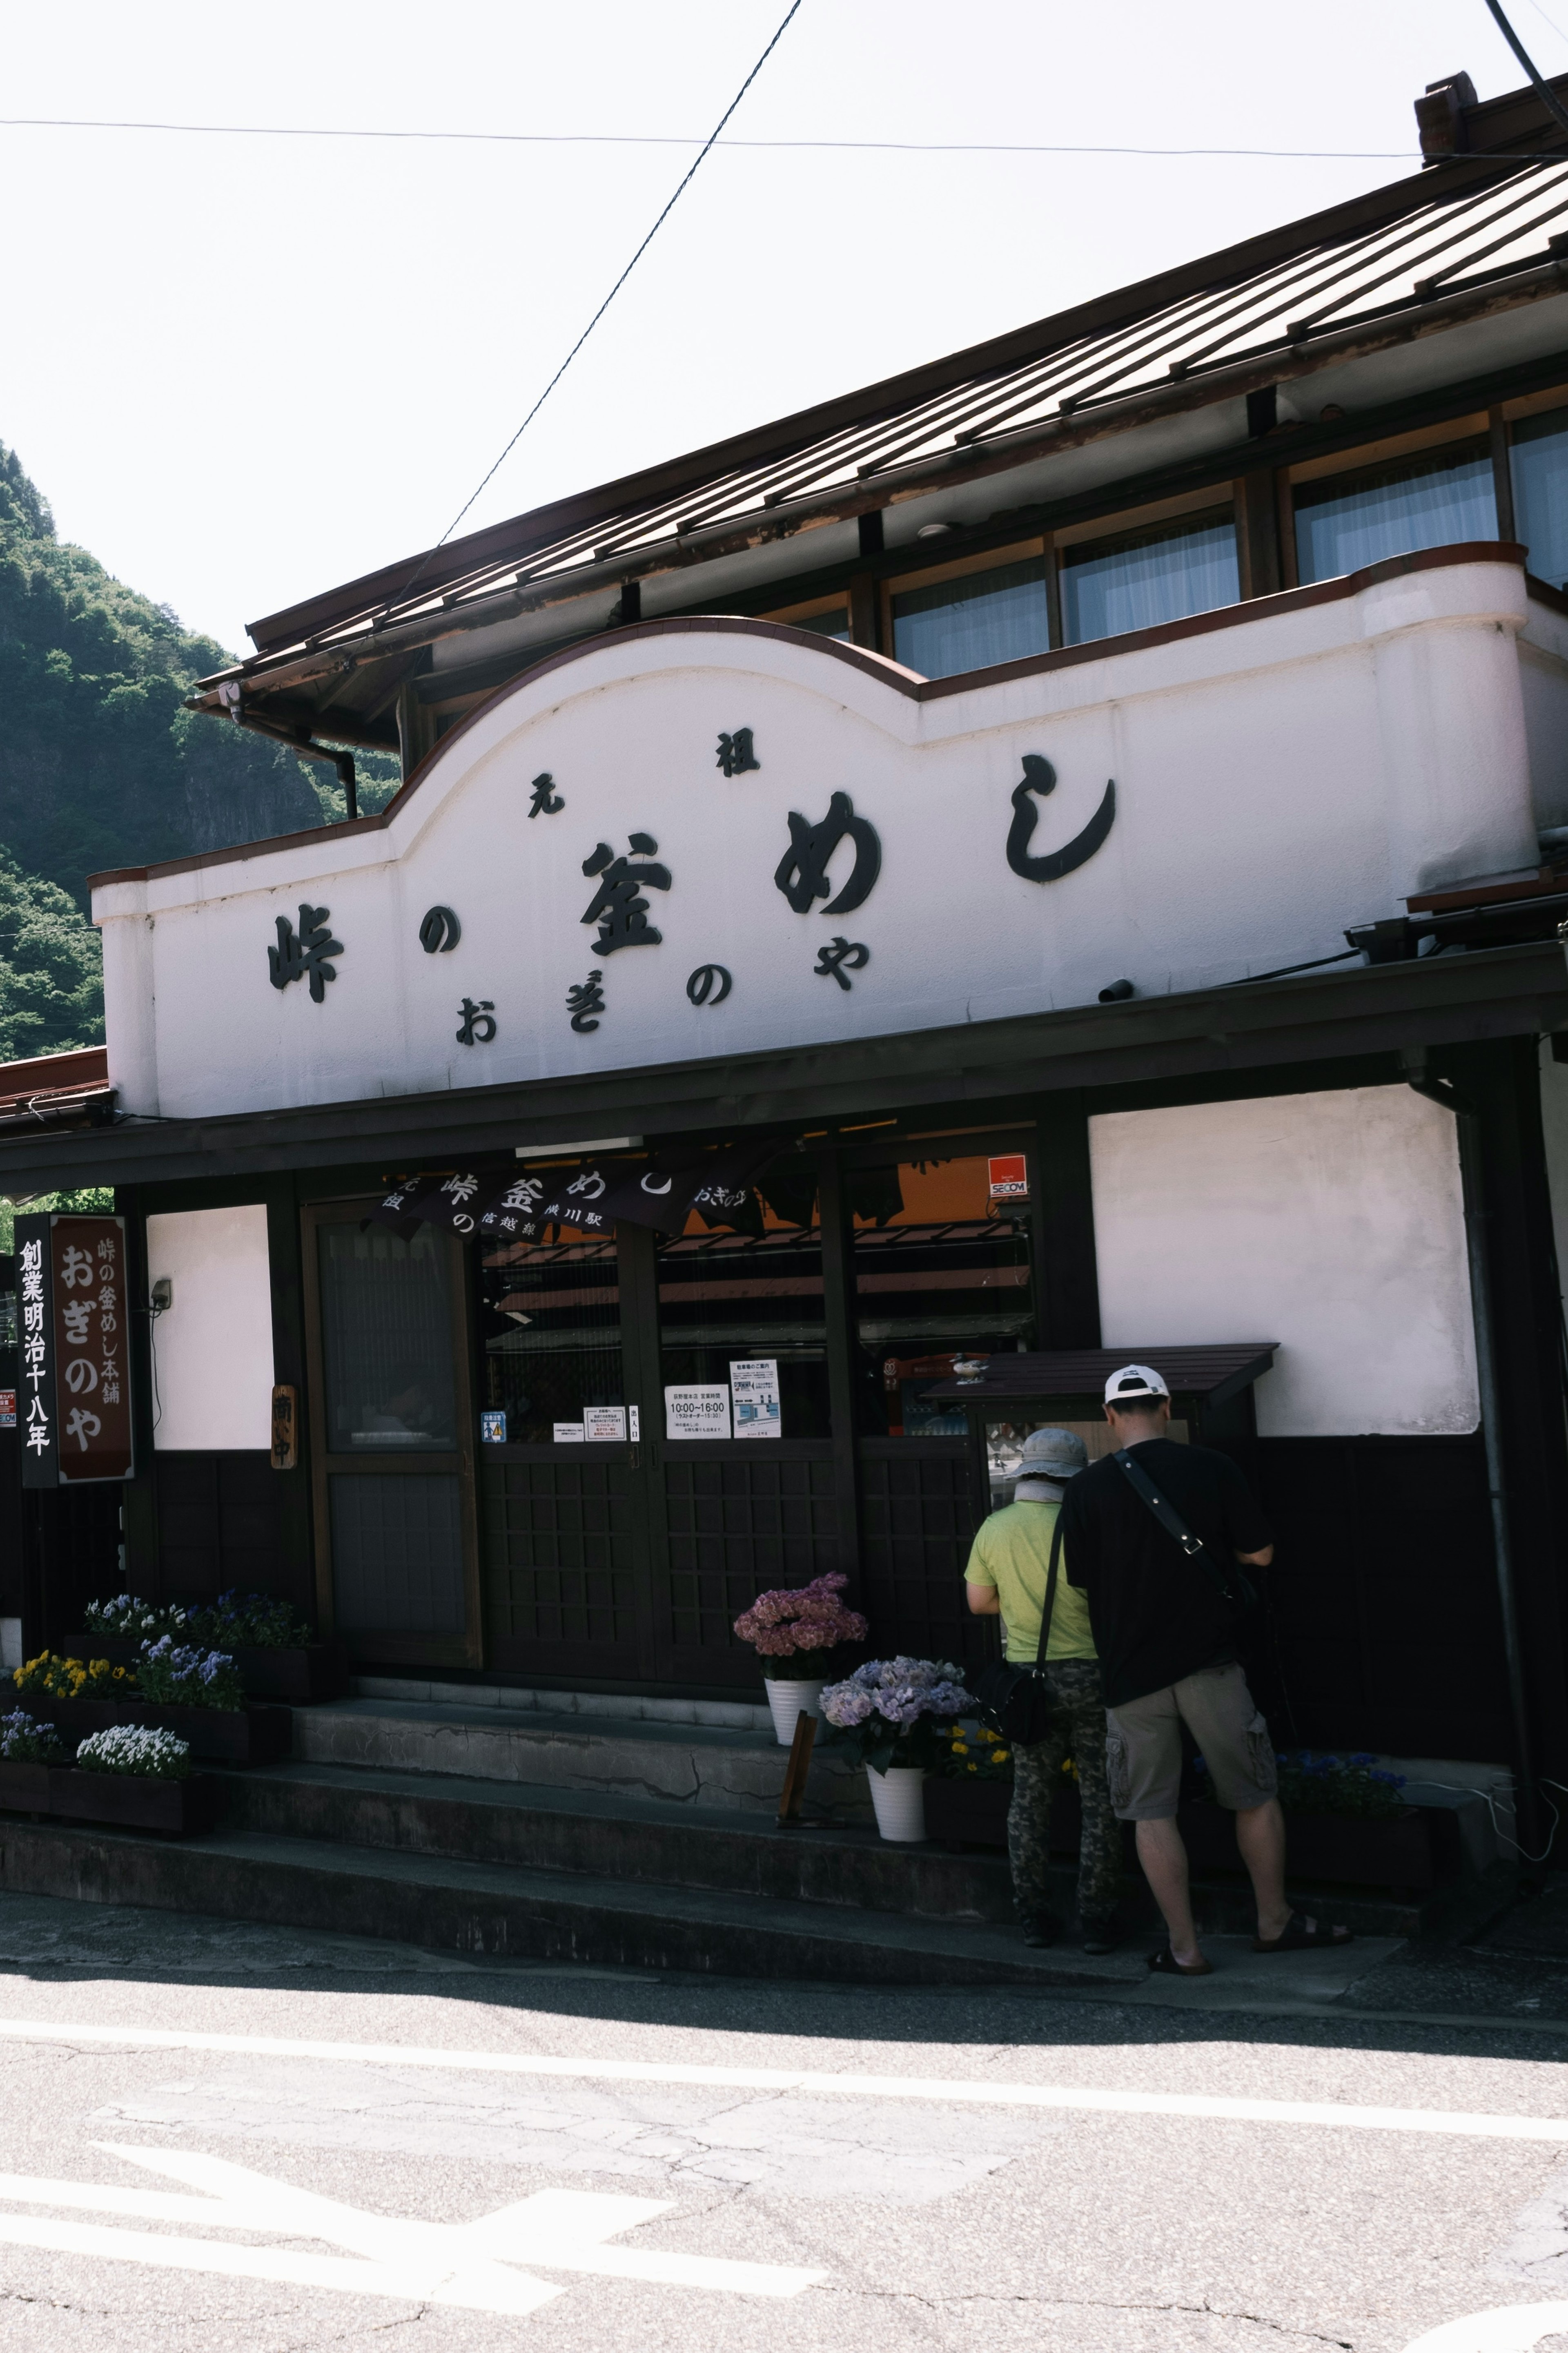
942, 1273
1352, 519
550, 1327
1141, 578
386, 1339
753, 1302
1004, 1446
1540, 463
974, 620
826, 616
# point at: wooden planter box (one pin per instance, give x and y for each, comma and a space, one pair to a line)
1407, 1850
131, 1801
230, 1735
967, 1813
319, 1670
1401, 1853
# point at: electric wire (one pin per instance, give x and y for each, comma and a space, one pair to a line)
670, 139
1543, 90
430, 555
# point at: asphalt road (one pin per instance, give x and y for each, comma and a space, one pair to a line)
222, 2136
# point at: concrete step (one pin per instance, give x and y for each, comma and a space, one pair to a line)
636, 1841
446, 1904
647, 1842
707, 1764
628, 1706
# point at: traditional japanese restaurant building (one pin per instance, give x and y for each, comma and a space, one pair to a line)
1058, 852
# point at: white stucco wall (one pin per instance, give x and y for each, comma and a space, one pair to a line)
214, 1346
1276, 778
1333, 1223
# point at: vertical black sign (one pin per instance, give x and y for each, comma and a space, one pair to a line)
35, 1354
75, 1389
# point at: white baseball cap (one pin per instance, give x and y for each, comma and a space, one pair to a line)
1132, 1382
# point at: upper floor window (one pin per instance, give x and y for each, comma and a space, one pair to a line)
972, 620
1140, 578
1540, 461
1350, 519
826, 616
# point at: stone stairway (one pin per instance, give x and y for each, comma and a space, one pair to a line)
463, 1822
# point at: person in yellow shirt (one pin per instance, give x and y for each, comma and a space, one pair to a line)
1005, 1577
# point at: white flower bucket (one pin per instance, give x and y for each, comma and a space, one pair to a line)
789, 1700
899, 1796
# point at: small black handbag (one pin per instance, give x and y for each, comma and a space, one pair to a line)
1014, 1700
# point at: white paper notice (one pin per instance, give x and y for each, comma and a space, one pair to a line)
568, 1433
700, 1411
604, 1422
754, 1383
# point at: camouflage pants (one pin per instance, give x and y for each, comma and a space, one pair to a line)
1078, 1731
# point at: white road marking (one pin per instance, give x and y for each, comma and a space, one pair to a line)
978, 2090
1507, 2328
465, 2264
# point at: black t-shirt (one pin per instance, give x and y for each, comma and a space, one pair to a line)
1157, 1615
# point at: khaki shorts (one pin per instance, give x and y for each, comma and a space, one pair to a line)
1143, 1745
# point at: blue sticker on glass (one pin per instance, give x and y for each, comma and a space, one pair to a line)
493, 1428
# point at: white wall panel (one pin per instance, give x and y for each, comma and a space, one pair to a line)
1276, 779
213, 1347
1333, 1223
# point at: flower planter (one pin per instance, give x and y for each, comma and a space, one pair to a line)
318, 1670
789, 1701
232, 1735
897, 1798
128, 1800
966, 1812
1399, 1851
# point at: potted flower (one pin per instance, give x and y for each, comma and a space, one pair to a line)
896, 1714
197, 1694
1346, 1818
969, 1784
796, 1626
136, 1777
275, 1649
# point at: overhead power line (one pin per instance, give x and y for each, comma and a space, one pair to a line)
672, 138
425, 560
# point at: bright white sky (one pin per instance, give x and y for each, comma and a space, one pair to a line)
244, 369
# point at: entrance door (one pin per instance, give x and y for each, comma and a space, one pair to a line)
392, 1440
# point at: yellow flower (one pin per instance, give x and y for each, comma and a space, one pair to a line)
960, 1748
973, 1768
1001, 1757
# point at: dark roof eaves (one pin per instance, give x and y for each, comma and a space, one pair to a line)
539, 526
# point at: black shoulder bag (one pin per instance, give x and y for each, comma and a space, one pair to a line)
1237, 1588
1014, 1699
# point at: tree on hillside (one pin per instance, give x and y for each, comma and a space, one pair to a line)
100, 766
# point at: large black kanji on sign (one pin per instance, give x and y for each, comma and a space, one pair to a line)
802, 873
303, 956
616, 906
1039, 777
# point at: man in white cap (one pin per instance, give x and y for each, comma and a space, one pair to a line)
1165, 1611
1006, 1576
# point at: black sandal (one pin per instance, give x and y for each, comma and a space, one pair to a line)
1300, 1935
1165, 1964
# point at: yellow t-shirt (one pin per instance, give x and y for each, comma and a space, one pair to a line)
1012, 1551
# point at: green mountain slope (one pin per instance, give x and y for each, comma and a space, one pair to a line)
100, 766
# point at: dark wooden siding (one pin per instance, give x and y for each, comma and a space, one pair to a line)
1382, 1629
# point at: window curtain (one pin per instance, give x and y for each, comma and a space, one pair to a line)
1109, 587
1540, 459
1432, 502
971, 622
